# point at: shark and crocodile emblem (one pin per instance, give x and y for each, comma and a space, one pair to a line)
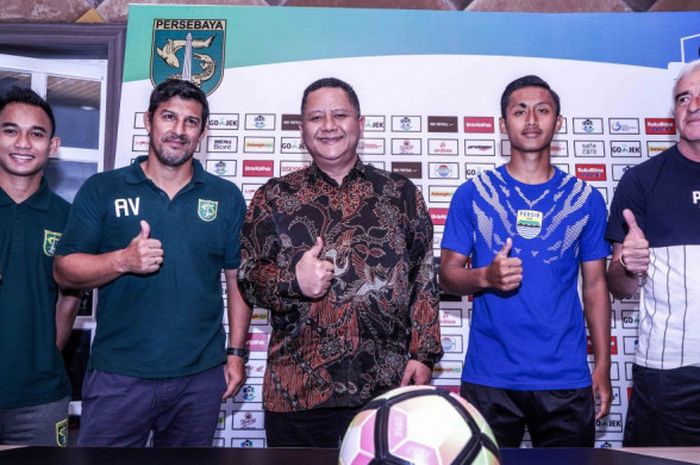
189, 49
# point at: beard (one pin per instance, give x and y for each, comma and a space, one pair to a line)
173, 158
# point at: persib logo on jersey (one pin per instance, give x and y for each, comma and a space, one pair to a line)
207, 209
529, 223
189, 49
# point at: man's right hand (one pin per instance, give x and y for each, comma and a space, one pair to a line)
313, 275
505, 273
143, 255
634, 256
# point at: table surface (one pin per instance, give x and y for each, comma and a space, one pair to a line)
683, 454
270, 456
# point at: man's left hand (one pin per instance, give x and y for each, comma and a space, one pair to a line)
234, 372
416, 373
602, 389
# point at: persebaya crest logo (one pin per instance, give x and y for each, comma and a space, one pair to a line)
207, 209
62, 433
51, 238
189, 49
529, 223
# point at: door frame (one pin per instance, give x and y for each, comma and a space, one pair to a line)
102, 41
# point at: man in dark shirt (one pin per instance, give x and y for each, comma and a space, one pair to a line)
155, 236
36, 318
655, 230
341, 253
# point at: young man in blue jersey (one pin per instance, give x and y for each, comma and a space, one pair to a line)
529, 228
655, 229
36, 318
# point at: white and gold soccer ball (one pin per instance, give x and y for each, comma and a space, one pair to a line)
419, 425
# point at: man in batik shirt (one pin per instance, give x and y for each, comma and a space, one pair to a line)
341, 254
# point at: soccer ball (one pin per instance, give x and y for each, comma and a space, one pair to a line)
419, 425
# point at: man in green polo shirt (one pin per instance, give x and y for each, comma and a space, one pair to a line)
154, 237
36, 321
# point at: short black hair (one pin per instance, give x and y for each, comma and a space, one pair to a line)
527, 81
28, 97
178, 88
335, 83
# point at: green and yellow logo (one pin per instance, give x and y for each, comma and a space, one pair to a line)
51, 239
62, 433
207, 209
189, 49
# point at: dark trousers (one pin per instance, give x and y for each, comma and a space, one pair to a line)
554, 418
36, 425
121, 411
664, 409
322, 427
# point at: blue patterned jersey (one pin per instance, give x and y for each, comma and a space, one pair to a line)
534, 337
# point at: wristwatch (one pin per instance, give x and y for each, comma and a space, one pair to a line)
239, 352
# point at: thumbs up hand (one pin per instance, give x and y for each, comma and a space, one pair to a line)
505, 273
143, 255
634, 255
145, 232
314, 275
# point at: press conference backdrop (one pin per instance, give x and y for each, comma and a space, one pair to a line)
429, 84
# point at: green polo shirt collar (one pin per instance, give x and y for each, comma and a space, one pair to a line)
136, 175
39, 200
4, 198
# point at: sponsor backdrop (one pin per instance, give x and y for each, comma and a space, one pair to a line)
429, 84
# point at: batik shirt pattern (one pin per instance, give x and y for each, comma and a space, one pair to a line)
382, 307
